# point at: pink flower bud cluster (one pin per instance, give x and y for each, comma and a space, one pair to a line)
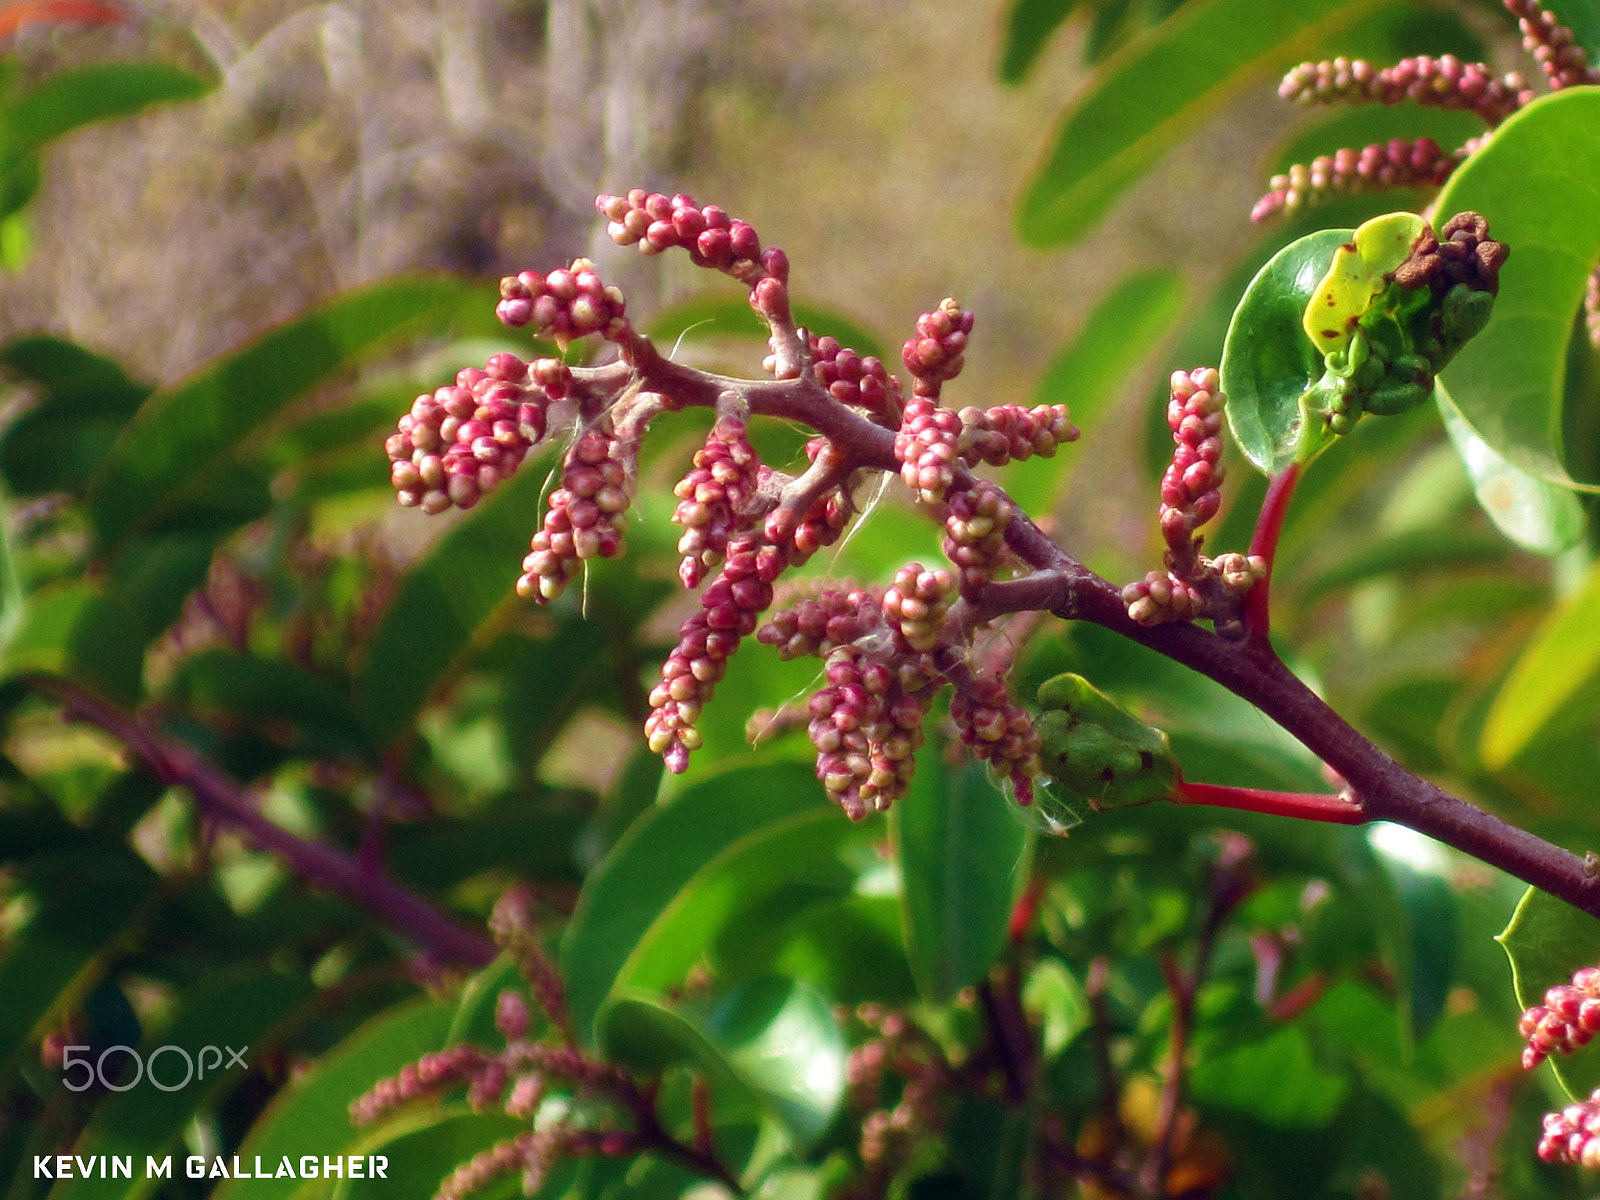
1564, 62
999, 731
586, 518
975, 534
928, 447
655, 222
462, 441
1160, 597
1591, 307
1378, 167
1443, 82
519, 1153
1568, 1018
1191, 488
729, 610
569, 302
915, 605
837, 617
428, 1076
935, 353
713, 497
1572, 1136
866, 729
860, 381
1009, 432
889, 1135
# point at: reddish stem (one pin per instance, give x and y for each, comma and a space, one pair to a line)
1303, 805
1264, 544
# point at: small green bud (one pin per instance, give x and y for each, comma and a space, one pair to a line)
1464, 314
1098, 750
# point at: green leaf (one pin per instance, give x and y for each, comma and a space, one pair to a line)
720, 316
1538, 183
1546, 941
73, 98
1092, 369
962, 867
1268, 363
74, 629
147, 1120
1559, 660
657, 859
421, 1158
776, 1037
184, 441
90, 904
261, 692
312, 1115
1541, 517
1160, 89
1028, 28
447, 603
764, 880
1301, 1095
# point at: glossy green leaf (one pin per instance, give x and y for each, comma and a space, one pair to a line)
1029, 25
1546, 941
182, 443
312, 1115
962, 866
776, 1037
764, 880
1540, 516
447, 603
730, 316
657, 859
1562, 656
73, 98
149, 1120
1160, 89
1268, 363
1538, 183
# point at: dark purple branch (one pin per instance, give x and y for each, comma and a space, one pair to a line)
220, 798
1061, 585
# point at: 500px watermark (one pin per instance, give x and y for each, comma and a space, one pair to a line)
110, 1069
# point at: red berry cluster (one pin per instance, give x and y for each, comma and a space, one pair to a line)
1011, 433
1374, 168
462, 441
587, 515
1568, 1018
1443, 82
713, 497
999, 731
570, 302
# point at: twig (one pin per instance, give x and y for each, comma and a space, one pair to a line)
220, 798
